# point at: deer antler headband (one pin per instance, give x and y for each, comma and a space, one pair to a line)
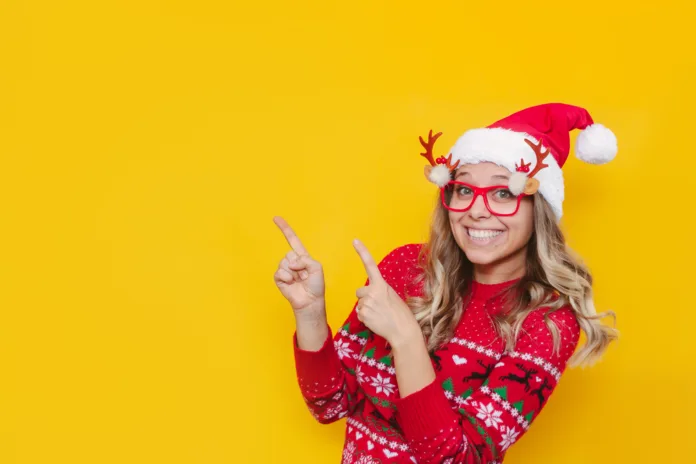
441, 170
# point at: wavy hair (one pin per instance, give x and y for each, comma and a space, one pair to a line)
554, 277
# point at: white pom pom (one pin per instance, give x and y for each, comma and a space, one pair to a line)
596, 145
439, 175
517, 182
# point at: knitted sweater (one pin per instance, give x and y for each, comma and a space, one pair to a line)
483, 400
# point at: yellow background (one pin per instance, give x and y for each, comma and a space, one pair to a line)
146, 146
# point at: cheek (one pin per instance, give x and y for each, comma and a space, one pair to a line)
525, 219
456, 228
453, 219
521, 225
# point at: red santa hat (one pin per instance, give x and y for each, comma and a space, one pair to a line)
522, 142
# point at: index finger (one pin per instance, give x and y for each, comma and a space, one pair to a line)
290, 236
371, 267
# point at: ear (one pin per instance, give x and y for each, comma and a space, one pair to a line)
427, 172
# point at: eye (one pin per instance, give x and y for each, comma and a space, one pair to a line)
463, 190
504, 194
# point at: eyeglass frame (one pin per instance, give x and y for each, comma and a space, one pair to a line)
482, 191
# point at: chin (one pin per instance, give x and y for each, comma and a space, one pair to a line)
482, 259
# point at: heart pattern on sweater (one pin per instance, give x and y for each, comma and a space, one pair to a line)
458, 361
389, 454
358, 435
370, 445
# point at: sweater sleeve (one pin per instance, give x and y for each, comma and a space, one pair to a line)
327, 377
441, 428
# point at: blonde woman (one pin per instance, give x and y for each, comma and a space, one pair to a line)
454, 347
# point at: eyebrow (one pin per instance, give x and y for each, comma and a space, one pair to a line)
497, 176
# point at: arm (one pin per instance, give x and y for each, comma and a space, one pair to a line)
325, 366
481, 428
414, 369
320, 372
326, 363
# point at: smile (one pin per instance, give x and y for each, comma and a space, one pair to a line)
483, 235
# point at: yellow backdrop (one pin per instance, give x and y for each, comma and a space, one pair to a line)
146, 146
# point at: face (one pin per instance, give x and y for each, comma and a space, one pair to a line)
485, 238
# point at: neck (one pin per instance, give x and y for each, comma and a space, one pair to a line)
512, 267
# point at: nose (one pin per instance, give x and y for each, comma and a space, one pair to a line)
478, 209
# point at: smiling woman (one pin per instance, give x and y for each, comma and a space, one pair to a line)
455, 346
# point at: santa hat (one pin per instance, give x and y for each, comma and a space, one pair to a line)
522, 143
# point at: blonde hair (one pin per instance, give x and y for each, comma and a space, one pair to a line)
554, 277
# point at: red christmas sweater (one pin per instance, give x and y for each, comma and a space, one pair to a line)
483, 400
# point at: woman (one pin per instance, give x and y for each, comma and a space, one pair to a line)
454, 347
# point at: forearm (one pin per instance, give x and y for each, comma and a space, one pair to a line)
311, 327
325, 377
429, 424
414, 370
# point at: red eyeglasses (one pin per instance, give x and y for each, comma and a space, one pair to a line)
499, 200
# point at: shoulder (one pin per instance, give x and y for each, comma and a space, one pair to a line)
401, 265
403, 254
536, 338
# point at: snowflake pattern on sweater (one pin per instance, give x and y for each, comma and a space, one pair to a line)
483, 399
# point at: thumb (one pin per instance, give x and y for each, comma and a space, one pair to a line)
304, 262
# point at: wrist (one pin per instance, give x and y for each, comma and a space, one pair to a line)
312, 328
407, 339
312, 314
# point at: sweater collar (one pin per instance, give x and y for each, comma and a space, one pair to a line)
484, 292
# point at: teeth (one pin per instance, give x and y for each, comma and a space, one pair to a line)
478, 233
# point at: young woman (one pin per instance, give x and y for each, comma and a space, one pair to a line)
454, 346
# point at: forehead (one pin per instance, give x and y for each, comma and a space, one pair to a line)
482, 171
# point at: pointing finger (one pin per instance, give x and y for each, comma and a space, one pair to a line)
290, 236
370, 265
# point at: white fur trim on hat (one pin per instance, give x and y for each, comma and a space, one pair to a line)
596, 145
505, 148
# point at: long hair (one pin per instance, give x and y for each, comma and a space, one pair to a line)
554, 277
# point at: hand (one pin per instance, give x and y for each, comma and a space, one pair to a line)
380, 308
299, 278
